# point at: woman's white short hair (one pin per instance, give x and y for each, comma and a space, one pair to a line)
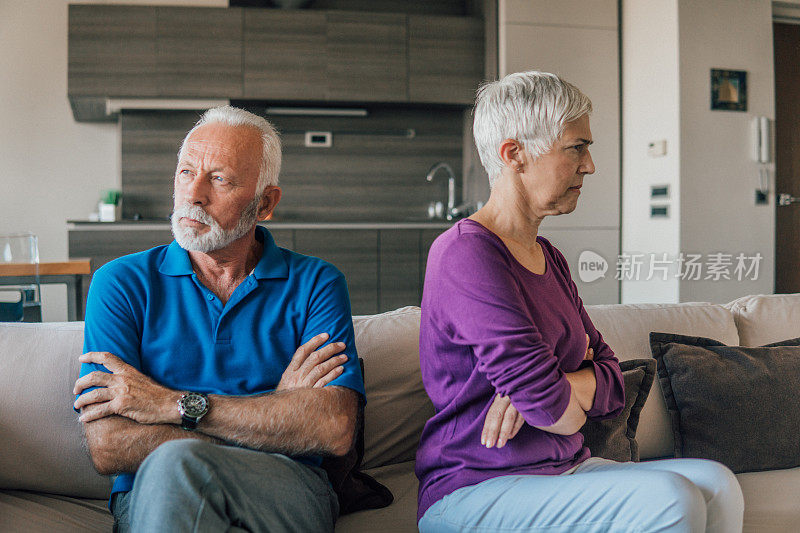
270, 139
530, 107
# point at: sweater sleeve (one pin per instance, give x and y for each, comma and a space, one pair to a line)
479, 304
609, 399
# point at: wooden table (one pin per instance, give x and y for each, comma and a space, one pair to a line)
71, 273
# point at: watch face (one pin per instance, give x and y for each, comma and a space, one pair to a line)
194, 405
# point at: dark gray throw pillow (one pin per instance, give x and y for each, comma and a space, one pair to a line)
615, 438
355, 490
734, 404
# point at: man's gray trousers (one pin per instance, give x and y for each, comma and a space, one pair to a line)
191, 485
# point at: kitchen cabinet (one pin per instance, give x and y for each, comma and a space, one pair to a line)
112, 51
398, 269
199, 52
366, 57
355, 253
333, 56
140, 52
268, 54
102, 245
445, 59
384, 268
284, 54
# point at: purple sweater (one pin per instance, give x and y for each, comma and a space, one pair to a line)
491, 326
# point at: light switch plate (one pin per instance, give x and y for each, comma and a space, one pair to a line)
319, 139
657, 148
659, 211
659, 192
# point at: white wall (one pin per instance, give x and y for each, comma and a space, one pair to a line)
718, 177
669, 48
53, 168
650, 112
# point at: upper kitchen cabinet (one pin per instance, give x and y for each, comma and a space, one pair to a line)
284, 54
269, 54
199, 52
445, 59
112, 51
151, 52
366, 57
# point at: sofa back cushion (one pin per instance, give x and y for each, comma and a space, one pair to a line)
41, 441
397, 404
764, 319
398, 407
626, 328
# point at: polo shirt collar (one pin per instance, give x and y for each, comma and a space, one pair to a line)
271, 265
176, 261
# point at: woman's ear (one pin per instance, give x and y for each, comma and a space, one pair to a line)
511, 153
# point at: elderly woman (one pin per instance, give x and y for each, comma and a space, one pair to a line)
513, 363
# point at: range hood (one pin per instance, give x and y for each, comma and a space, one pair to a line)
100, 109
115, 105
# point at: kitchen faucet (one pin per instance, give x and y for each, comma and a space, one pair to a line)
451, 186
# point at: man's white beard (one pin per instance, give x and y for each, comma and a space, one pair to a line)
216, 238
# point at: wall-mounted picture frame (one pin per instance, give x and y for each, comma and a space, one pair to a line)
728, 90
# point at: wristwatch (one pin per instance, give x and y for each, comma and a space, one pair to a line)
192, 406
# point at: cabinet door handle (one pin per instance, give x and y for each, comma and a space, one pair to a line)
787, 199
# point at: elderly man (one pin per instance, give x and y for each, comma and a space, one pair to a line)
220, 368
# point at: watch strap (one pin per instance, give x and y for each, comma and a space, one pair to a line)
189, 422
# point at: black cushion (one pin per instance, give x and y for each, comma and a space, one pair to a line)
355, 490
615, 438
733, 404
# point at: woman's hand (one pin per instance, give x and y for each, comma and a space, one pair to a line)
502, 423
583, 382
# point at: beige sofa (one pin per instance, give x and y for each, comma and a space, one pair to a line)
48, 484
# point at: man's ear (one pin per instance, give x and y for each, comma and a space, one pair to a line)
269, 200
510, 152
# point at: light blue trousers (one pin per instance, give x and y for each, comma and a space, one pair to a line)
190, 485
675, 495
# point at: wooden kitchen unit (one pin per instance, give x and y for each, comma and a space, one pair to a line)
383, 263
308, 55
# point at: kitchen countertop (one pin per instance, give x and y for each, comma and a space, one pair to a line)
139, 225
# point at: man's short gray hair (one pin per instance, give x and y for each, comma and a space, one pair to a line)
530, 107
270, 139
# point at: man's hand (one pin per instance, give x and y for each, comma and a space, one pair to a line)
313, 369
125, 392
502, 423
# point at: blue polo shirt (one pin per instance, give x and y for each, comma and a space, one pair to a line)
150, 310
